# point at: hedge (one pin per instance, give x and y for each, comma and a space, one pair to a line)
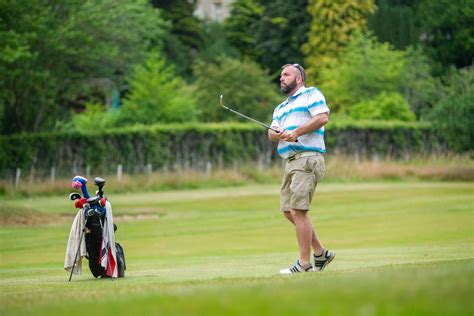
384, 138
197, 145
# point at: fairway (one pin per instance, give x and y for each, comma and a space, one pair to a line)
403, 248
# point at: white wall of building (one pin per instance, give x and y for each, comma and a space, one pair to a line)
216, 10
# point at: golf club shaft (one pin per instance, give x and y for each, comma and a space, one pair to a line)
246, 117
251, 119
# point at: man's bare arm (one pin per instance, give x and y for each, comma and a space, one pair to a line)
315, 123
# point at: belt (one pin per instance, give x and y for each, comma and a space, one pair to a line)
303, 154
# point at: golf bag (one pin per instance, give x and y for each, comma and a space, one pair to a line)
99, 231
94, 245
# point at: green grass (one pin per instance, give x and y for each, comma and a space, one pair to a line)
403, 248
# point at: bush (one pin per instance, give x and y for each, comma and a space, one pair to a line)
453, 118
366, 138
386, 106
453, 115
94, 117
175, 146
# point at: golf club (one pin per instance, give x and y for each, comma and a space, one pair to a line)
74, 196
248, 118
100, 183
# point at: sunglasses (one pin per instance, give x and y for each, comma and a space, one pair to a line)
300, 69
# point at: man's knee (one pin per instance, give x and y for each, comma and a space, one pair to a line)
298, 214
288, 216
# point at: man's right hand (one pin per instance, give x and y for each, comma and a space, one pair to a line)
281, 135
274, 136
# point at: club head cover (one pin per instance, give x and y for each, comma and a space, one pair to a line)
79, 182
80, 203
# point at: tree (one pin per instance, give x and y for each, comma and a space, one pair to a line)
447, 32
443, 28
185, 35
396, 22
157, 94
52, 50
332, 26
27, 86
365, 69
269, 32
453, 114
245, 86
242, 25
419, 88
281, 31
184, 25
453, 119
215, 44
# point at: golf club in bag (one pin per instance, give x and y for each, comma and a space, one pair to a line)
98, 231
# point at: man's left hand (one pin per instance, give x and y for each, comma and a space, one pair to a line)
291, 136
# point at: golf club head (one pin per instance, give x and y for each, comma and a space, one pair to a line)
74, 196
222, 102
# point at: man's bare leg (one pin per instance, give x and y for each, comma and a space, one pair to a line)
318, 247
304, 232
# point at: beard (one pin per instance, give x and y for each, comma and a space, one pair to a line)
288, 88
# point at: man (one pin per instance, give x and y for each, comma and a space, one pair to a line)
300, 120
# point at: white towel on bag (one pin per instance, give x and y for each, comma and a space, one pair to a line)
73, 243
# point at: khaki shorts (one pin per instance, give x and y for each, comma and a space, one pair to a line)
299, 182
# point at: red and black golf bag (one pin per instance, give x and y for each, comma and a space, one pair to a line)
93, 234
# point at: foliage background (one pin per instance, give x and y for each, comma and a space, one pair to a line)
82, 66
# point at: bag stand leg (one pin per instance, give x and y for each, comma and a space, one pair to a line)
77, 253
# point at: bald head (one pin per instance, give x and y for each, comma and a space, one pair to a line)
297, 69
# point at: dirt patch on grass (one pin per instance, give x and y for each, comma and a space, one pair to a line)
24, 216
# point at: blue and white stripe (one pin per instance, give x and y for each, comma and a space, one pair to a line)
296, 111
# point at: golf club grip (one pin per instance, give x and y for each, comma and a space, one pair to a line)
278, 132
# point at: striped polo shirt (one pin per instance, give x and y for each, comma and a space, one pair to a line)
294, 112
